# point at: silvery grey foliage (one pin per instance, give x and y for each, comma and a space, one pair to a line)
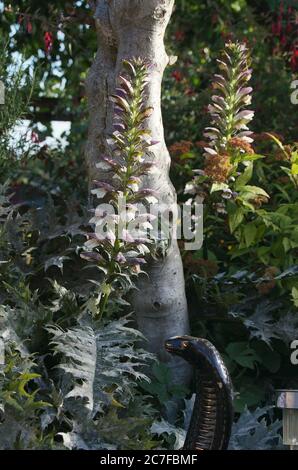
189, 404
163, 427
262, 324
99, 361
19, 426
14, 430
85, 435
7, 331
252, 431
34, 410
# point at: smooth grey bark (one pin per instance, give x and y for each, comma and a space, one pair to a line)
126, 29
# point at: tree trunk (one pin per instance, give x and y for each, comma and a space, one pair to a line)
126, 29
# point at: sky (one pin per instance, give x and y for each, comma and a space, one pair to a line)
22, 130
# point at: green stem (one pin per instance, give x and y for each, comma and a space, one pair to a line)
128, 156
111, 269
102, 305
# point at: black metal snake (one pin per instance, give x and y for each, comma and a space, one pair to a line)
212, 416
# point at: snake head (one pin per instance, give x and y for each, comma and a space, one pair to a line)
198, 352
178, 345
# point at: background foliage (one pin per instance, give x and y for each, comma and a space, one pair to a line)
244, 278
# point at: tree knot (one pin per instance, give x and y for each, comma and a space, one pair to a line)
159, 13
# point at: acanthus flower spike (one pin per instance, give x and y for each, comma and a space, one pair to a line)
229, 116
113, 239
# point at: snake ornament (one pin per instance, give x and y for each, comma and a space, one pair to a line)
212, 417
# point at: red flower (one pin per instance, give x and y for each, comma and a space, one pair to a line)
35, 137
289, 28
294, 59
276, 50
177, 75
29, 27
283, 40
274, 29
189, 92
227, 36
214, 18
179, 35
48, 41
279, 26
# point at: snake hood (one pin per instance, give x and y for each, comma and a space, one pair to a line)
212, 417
200, 353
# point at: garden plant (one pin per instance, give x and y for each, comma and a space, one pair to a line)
198, 104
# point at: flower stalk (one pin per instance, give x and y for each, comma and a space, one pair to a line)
229, 136
118, 251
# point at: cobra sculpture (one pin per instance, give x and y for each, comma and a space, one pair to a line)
212, 417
